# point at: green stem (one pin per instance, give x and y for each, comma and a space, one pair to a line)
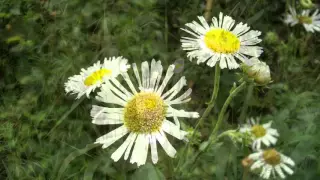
207, 111
216, 85
245, 104
213, 135
213, 96
224, 108
65, 115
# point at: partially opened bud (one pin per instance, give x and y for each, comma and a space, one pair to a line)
259, 71
307, 4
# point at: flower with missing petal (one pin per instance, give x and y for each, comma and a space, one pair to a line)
143, 113
93, 77
221, 42
260, 133
271, 162
310, 22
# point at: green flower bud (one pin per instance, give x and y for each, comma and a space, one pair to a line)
306, 4
271, 38
258, 71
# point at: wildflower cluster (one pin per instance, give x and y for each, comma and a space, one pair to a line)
145, 111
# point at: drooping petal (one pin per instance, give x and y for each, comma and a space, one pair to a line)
167, 147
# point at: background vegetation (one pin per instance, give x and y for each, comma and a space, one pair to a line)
44, 133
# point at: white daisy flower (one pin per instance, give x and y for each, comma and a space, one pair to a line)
310, 22
221, 41
94, 76
260, 133
143, 113
271, 162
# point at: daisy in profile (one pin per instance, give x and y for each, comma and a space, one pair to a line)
271, 162
260, 133
93, 77
222, 42
143, 113
310, 22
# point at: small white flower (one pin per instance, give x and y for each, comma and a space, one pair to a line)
93, 77
143, 113
271, 162
259, 71
310, 22
222, 42
260, 133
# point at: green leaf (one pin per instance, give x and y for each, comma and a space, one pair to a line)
147, 172
256, 17
72, 156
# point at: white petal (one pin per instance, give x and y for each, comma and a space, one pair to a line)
145, 74
287, 160
153, 147
129, 82
286, 168
143, 150
203, 22
279, 171
103, 115
181, 113
119, 152
115, 134
128, 150
120, 87
265, 141
180, 99
136, 73
267, 171
166, 79
272, 139
257, 164
136, 155
175, 89
107, 96
272, 132
255, 156
173, 130
223, 63
267, 125
116, 91
167, 147
254, 51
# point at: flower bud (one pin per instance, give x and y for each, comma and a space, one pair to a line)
259, 71
271, 38
307, 4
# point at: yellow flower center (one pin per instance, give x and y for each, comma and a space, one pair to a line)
222, 41
144, 113
258, 131
96, 76
271, 157
304, 20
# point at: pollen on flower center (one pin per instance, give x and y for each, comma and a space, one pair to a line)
271, 157
222, 41
96, 76
304, 20
144, 113
258, 131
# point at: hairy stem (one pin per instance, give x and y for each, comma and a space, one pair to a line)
245, 105
207, 13
213, 136
207, 111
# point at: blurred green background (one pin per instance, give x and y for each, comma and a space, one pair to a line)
44, 133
